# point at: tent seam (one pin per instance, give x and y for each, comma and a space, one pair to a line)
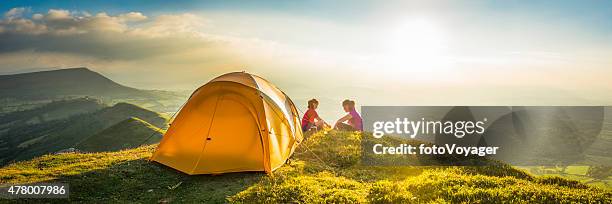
207, 135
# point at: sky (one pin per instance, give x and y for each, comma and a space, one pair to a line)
377, 53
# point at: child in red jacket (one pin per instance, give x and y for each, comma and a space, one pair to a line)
311, 117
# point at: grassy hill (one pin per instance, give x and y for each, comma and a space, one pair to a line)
26, 142
28, 90
52, 111
130, 133
64, 82
325, 168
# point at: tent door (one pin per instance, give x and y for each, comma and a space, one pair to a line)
233, 142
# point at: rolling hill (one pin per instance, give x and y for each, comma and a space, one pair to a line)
29, 141
52, 111
127, 134
325, 168
27, 90
63, 82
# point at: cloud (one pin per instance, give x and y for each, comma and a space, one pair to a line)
132, 16
167, 25
123, 36
37, 16
58, 15
15, 12
180, 48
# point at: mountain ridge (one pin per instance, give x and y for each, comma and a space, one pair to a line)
69, 81
25, 91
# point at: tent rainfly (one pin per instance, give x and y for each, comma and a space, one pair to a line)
236, 122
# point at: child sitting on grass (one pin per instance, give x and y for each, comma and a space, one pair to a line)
353, 119
311, 118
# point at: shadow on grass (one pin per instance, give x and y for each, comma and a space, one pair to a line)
143, 181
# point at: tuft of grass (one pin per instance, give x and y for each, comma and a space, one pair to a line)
389, 192
323, 187
331, 148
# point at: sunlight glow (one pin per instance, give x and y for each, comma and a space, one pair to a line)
416, 44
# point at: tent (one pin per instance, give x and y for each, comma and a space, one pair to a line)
236, 122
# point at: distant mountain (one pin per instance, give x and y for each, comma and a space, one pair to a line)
27, 90
63, 82
25, 142
130, 133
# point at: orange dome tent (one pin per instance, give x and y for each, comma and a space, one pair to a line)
236, 122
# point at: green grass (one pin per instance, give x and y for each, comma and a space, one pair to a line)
129, 133
55, 135
324, 169
579, 173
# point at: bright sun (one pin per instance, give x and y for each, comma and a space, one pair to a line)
416, 44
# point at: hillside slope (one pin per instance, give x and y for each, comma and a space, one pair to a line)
325, 168
28, 90
52, 111
65, 82
130, 133
26, 142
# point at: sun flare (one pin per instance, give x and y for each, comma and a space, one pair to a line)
418, 43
